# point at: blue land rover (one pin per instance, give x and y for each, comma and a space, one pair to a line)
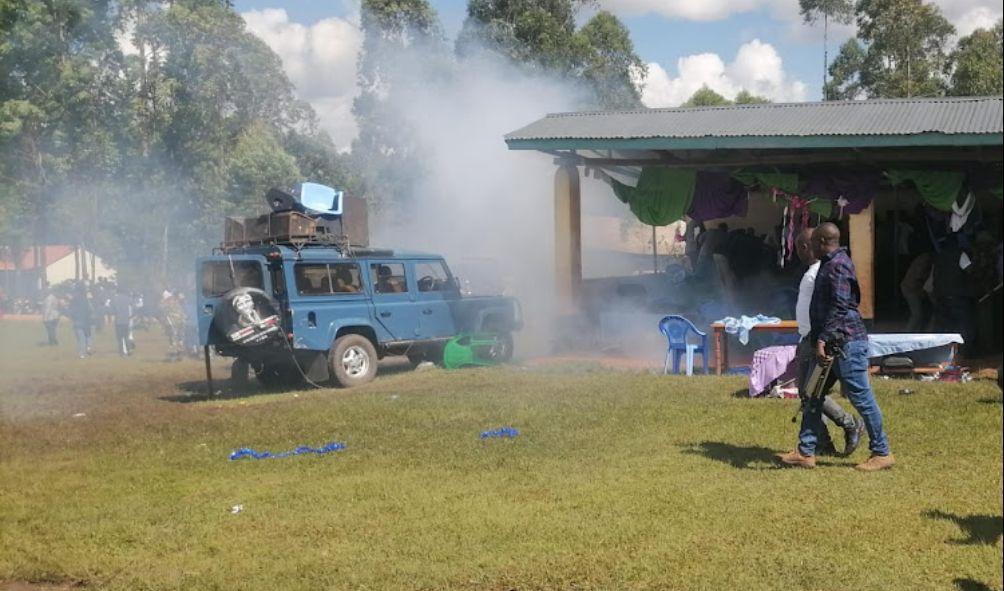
311, 311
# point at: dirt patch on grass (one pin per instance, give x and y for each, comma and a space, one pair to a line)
41, 586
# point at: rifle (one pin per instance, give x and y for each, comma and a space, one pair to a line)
815, 386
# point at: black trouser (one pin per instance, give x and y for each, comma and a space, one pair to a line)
50, 331
832, 410
122, 338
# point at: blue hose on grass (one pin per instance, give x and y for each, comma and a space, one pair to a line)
247, 452
501, 432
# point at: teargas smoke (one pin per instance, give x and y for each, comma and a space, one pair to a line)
489, 211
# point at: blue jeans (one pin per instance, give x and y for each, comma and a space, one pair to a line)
852, 371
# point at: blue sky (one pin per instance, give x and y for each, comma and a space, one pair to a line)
758, 45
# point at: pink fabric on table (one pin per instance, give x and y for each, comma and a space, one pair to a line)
769, 364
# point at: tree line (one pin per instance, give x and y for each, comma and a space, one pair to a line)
132, 127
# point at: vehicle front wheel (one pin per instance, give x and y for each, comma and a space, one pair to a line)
352, 360
501, 351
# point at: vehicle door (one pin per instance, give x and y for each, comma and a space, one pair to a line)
394, 299
217, 276
327, 294
436, 289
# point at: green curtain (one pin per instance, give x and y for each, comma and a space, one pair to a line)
663, 195
938, 187
787, 182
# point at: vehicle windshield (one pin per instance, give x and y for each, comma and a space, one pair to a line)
219, 277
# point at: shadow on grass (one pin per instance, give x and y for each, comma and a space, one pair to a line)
991, 401
196, 391
737, 456
742, 393
980, 529
971, 585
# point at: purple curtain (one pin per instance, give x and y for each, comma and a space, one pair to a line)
717, 195
858, 188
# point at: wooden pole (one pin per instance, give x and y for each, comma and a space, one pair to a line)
861, 239
209, 370
655, 253
567, 238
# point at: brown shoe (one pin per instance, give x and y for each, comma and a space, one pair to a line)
796, 459
875, 463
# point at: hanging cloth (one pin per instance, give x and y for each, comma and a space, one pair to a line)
852, 191
960, 213
663, 195
717, 195
787, 182
937, 187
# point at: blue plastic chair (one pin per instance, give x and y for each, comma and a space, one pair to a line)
676, 329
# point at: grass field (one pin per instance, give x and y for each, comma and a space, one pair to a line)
114, 474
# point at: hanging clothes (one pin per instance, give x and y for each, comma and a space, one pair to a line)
851, 190
663, 195
939, 188
960, 213
717, 195
787, 182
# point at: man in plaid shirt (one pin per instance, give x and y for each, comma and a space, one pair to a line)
834, 318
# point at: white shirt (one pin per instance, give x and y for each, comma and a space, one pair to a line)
805, 287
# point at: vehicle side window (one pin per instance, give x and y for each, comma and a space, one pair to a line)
312, 279
219, 277
345, 278
388, 278
432, 276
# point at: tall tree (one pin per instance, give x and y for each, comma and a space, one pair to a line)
841, 11
542, 36
901, 50
977, 65
395, 33
611, 65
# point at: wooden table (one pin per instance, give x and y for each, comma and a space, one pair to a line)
722, 341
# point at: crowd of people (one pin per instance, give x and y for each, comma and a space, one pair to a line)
93, 307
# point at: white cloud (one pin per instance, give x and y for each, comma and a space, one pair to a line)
969, 15
696, 10
757, 68
320, 60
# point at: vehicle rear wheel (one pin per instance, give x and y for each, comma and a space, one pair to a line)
239, 374
352, 360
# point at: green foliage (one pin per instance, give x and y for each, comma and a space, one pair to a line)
611, 65
138, 156
385, 150
841, 11
705, 97
744, 97
978, 68
542, 36
901, 51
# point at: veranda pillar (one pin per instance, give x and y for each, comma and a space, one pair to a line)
567, 238
861, 238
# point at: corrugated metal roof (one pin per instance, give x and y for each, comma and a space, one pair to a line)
832, 119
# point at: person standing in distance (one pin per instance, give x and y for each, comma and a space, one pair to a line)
834, 317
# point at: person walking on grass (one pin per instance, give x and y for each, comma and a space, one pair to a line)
121, 308
834, 317
50, 316
831, 409
82, 316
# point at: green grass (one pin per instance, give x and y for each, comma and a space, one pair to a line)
617, 481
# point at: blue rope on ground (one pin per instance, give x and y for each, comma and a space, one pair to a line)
500, 432
247, 452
